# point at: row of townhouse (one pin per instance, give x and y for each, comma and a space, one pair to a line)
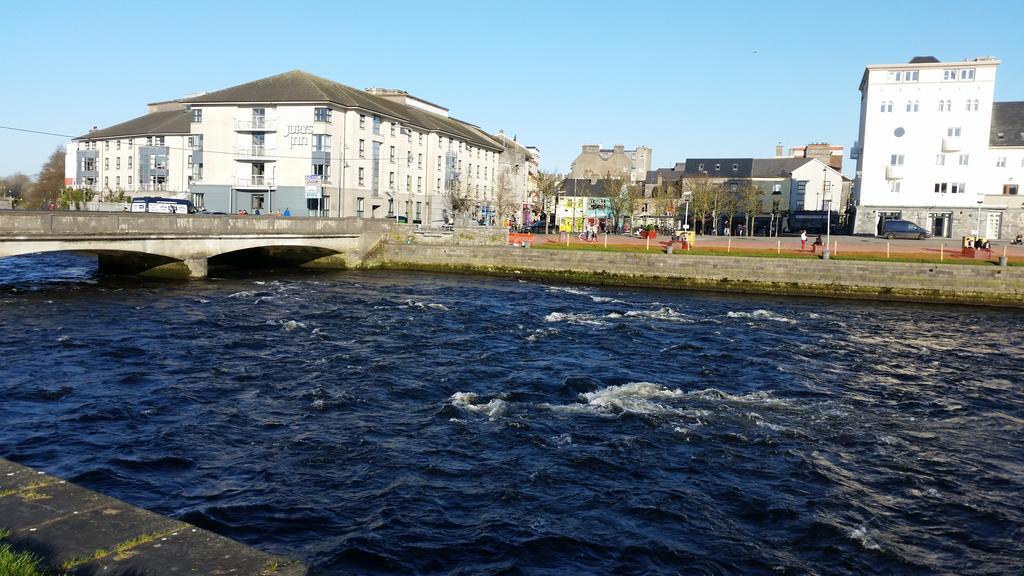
305, 143
933, 147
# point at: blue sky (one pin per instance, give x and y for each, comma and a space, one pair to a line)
687, 79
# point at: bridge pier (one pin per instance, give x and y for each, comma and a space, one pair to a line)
150, 266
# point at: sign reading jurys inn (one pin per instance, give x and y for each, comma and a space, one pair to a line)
298, 135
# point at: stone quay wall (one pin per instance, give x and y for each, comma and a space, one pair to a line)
947, 283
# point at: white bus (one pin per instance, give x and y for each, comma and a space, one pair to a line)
162, 205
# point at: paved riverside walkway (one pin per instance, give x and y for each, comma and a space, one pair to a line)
79, 532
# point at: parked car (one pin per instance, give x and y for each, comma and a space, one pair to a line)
903, 229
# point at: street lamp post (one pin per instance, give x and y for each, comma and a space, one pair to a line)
828, 229
686, 210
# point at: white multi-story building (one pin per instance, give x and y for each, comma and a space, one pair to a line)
310, 145
935, 149
519, 164
145, 155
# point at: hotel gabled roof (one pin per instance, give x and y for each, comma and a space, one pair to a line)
299, 86
166, 122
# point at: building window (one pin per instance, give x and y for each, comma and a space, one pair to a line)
965, 159
896, 160
118, 144
106, 181
189, 160
972, 105
913, 106
700, 166
776, 188
1001, 162
1010, 189
392, 128
362, 177
421, 139
940, 159
945, 105
408, 159
419, 161
948, 75
887, 106
438, 185
376, 125
941, 187
106, 145
718, 167
904, 75
967, 74
362, 121
131, 143
362, 148
359, 206
419, 184
895, 187
957, 188
735, 167
391, 207
197, 115
129, 181
323, 171
438, 162
419, 209
106, 163
953, 132
321, 142
391, 180
117, 182
129, 162
117, 162
321, 114
391, 155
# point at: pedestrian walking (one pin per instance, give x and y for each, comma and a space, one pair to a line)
288, 213
803, 240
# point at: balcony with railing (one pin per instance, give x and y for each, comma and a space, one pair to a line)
254, 153
255, 124
254, 183
893, 172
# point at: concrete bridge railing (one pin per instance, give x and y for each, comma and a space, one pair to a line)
71, 224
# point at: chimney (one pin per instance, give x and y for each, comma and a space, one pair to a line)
778, 150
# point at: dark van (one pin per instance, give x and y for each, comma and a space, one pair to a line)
903, 229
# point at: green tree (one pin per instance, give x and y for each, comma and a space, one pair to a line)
547, 188
614, 190
705, 195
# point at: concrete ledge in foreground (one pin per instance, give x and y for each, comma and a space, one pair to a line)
79, 532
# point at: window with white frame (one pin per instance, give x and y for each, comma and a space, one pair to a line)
117, 181
362, 121
949, 74
321, 114
904, 75
408, 183
118, 144
965, 159
106, 163
896, 159
362, 148
967, 73
391, 153
913, 105
106, 145
894, 187
362, 177
197, 115
940, 159
129, 181
957, 187
419, 160
393, 125
953, 132
941, 187
117, 162
129, 162
1001, 162
391, 180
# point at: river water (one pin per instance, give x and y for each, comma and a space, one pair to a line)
400, 423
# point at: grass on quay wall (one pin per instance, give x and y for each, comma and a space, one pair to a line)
17, 563
790, 254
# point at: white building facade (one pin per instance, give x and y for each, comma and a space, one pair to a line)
928, 150
306, 144
148, 155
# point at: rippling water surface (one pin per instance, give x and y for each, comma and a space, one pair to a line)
396, 423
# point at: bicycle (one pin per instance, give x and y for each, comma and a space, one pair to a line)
586, 237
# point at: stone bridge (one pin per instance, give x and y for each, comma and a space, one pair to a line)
180, 246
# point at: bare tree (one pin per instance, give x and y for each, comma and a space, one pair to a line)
547, 187
666, 199
705, 195
505, 202
749, 201
50, 182
456, 196
15, 186
614, 189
